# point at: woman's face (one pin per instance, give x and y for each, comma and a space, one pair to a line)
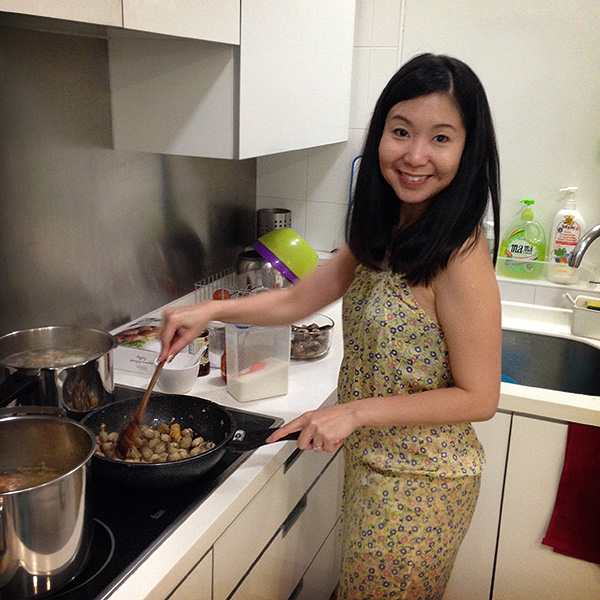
420, 150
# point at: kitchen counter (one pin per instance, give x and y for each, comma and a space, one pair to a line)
313, 384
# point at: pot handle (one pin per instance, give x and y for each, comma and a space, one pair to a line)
16, 411
243, 441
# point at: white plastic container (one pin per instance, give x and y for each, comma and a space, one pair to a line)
585, 321
258, 361
567, 229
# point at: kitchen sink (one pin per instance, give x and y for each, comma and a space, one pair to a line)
549, 362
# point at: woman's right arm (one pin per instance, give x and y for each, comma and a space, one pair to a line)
325, 284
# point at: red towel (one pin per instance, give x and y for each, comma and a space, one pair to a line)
574, 528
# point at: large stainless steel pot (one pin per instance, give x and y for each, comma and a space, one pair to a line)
45, 530
64, 367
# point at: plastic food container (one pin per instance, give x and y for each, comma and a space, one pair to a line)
311, 338
258, 361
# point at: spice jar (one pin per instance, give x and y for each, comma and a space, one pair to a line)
199, 342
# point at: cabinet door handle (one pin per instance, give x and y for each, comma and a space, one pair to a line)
293, 516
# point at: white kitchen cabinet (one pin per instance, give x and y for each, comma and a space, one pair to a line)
198, 19
473, 571
286, 85
198, 584
283, 563
100, 12
525, 567
259, 526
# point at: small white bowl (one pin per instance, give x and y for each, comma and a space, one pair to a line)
177, 377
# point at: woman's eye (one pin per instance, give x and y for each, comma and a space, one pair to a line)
441, 138
401, 132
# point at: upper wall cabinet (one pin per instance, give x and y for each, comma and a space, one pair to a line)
285, 86
220, 79
99, 12
217, 21
213, 20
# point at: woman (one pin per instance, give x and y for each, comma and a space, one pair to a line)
422, 332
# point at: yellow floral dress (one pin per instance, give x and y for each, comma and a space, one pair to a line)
409, 492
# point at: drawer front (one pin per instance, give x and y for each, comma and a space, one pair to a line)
281, 567
323, 574
243, 541
198, 584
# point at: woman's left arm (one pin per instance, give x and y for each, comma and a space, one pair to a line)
468, 308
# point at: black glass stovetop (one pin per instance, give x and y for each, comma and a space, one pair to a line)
128, 524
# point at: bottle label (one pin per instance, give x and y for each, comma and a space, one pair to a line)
519, 253
566, 237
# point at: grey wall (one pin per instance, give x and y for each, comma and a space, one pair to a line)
89, 235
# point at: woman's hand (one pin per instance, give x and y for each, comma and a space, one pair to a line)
323, 429
181, 326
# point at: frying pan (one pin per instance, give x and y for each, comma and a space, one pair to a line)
208, 419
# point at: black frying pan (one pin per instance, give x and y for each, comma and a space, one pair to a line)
212, 421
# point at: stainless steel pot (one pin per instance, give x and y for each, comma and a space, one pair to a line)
45, 530
64, 367
254, 272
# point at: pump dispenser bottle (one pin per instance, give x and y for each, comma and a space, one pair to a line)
567, 230
523, 248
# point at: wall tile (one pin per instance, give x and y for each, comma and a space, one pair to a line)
386, 23
325, 225
282, 175
329, 169
382, 65
360, 109
363, 23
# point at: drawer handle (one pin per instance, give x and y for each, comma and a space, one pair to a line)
291, 459
297, 590
293, 516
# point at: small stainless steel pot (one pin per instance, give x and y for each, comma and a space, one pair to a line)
253, 272
78, 385
45, 530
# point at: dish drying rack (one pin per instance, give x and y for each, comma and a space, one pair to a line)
226, 279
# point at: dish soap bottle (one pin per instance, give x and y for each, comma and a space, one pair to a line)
523, 248
567, 230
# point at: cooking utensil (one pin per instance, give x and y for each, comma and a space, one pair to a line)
268, 219
45, 529
129, 436
208, 419
65, 367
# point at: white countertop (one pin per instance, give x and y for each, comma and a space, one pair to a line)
312, 384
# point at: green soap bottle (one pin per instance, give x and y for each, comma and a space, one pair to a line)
523, 248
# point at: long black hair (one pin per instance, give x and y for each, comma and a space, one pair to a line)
454, 214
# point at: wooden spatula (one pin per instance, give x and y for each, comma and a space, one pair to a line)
130, 436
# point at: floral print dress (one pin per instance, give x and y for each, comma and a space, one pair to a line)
409, 492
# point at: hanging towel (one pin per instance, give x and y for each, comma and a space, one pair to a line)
574, 528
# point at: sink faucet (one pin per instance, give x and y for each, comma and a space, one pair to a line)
583, 245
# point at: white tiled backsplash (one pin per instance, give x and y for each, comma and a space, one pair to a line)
543, 293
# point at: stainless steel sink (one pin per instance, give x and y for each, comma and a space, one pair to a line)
550, 362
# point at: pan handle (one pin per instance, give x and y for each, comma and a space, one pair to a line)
243, 441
